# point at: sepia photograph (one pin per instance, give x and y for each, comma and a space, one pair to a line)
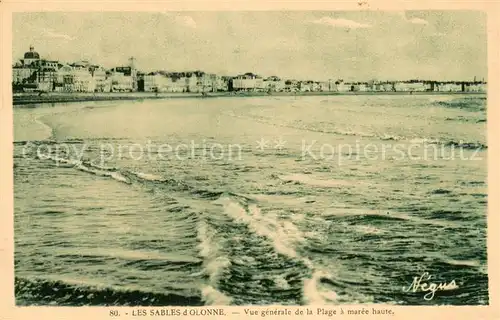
250, 158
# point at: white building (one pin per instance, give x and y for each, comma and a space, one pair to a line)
306, 86
291, 85
323, 86
316, 86
248, 82
207, 82
222, 83
21, 74
154, 82
100, 78
411, 86
83, 81
340, 86
475, 87
273, 83
388, 86
181, 82
449, 87
360, 87
120, 82
25, 71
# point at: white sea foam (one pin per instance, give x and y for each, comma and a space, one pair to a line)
215, 264
148, 176
283, 235
314, 294
119, 177
103, 173
215, 298
468, 263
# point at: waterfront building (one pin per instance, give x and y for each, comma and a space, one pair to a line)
46, 78
222, 83
124, 78
324, 86
377, 87
360, 87
24, 72
305, 86
164, 82
180, 82
208, 82
248, 82
121, 82
475, 87
153, 81
380, 86
43, 63
449, 86
83, 81
291, 85
273, 83
411, 85
388, 86
65, 78
101, 81
340, 86
199, 81
315, 86
192, 81
35, 73
78, 77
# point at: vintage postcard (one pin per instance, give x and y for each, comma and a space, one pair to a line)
254, 161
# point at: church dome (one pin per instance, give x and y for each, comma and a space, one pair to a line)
32, 54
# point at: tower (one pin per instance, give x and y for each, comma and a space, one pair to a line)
133, 73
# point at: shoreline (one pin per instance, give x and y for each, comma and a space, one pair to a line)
34, 98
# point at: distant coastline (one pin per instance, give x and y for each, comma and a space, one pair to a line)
34, 98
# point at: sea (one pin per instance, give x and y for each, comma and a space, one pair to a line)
289, 200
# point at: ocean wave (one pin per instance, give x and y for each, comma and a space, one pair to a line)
308, 180
283, 236
148, 176
213, 297
143, 177
468, 103
215, 265
316, 294
286, 239
135, 255
121, 175
381, 136
116, 175
467, 263
40, 291
370, 216
466, 145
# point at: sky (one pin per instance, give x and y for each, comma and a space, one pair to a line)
303, 45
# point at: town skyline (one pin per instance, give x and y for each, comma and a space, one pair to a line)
431, 45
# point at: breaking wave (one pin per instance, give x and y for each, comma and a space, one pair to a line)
383, 136
40, 291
